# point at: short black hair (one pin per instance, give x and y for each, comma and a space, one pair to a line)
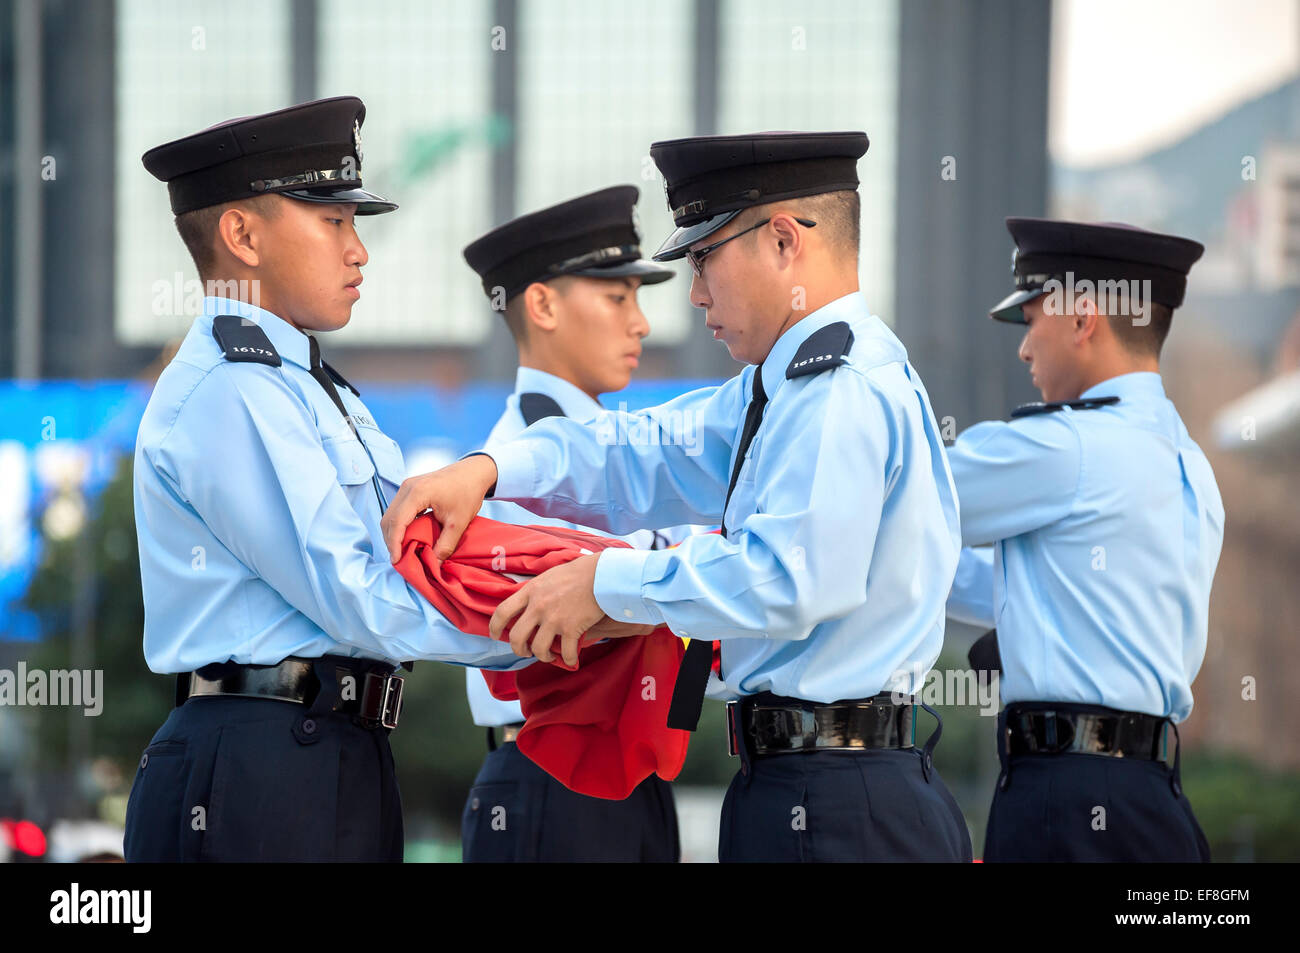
1146, 338
516, 315
1140, 325
838, 216
198, 229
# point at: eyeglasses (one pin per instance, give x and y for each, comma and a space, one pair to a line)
696, 258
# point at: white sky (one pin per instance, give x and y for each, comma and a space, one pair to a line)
1129, 76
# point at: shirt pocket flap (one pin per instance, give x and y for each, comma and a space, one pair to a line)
387, 454
349, 458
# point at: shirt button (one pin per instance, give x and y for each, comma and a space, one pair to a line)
627, 613
144, 760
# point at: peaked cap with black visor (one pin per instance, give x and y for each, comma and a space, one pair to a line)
310, 152
1049, 249
594, 235
709, 180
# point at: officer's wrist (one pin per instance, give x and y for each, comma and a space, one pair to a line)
490, 471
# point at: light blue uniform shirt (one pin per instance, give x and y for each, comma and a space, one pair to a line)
1106, 527
258, 522
843, 528
577, 405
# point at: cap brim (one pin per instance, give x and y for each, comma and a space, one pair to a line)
682, 239
647, 271
367, 203
1008, 309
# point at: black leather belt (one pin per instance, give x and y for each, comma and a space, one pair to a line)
777, 725
1060, 728
374, 701
509, 733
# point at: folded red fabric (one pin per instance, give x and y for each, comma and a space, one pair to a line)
600, 729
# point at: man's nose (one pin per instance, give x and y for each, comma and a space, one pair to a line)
640, 325
700, 292
1024, 349
356, 254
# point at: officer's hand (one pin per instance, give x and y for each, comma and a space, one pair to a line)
454, 494
560, 603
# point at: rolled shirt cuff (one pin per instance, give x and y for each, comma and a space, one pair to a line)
516, 471
482, 453
617, 586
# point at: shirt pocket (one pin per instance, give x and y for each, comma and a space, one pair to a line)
350, 460
387, 456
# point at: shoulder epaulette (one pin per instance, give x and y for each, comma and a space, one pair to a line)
825, 348
535, 407
243, 341
1051, 407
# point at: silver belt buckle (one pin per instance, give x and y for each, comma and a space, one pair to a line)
510, 733
390, 704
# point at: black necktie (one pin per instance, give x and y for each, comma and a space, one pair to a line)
318, 371
693, 676
753, 418
323, 378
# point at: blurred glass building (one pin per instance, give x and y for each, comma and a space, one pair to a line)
477, 112
481, 110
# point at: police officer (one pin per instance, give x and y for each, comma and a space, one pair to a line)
260, 478
1106, 524
566, 280
825, 466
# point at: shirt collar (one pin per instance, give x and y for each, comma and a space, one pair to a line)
572, 400
290, 343
846, 308
1128, 386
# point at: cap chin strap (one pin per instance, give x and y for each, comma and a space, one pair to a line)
311, 177
600, 256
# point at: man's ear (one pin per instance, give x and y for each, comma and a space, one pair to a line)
1086, 318
540, 306
789, 239
237, 233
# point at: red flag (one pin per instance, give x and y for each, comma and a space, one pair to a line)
600, 729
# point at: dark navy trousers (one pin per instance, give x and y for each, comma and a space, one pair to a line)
1078, 807
252, 779
517, 812
841, 806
